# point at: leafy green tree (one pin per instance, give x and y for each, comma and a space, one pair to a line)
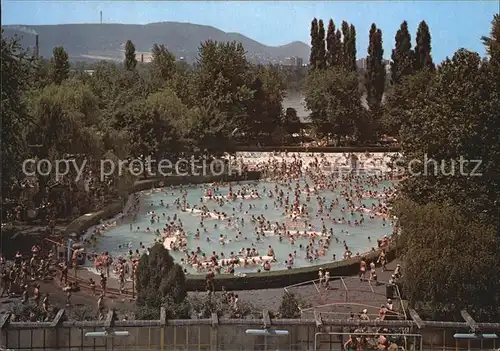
130, 59
116, 88
15, 77
333, 98
65, 119
159, 279
399, 99
348, 47
153, 124
456, 118
423, 57
222, 81
492, 43
59, 65
321, 63
333, 45
313, 56
265, 109
340, 52
163, 63
351, 64
375, 70
40, 73
183, 82
402, 55
71, 108
345, 45
208, 130
437, 238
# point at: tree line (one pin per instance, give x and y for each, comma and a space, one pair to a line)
357, 105
162, 109
448, 215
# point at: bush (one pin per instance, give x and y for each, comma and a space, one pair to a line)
30, 312
160, 282
290, 306
81, 313
203, 307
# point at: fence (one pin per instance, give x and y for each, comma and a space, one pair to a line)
264, 334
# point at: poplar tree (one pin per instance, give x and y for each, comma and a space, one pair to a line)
345, 44
375, 70
333, 45
332, 50
59, 65
423, 58
348, 46
313, 58
321, 45
338, 41
402, 55
352, 48
130, 60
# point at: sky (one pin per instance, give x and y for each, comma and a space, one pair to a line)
453, 24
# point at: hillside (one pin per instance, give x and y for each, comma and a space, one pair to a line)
106, 41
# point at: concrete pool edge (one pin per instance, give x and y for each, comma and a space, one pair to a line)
251, 281
283, 278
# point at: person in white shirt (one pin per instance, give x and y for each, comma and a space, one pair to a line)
320, 275
397, 271
235, 303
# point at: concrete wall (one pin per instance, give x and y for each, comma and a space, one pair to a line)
283, 278
201, 335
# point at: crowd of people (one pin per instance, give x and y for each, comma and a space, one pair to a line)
297, 194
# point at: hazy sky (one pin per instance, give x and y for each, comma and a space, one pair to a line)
453, 24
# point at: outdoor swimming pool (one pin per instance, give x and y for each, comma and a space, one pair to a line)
120, 239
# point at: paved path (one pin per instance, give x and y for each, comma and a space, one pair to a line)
269, 299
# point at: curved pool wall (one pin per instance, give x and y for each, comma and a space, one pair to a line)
263, 280
284, 278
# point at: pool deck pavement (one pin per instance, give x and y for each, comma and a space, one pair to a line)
269, 299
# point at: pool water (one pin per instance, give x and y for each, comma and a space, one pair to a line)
120, 239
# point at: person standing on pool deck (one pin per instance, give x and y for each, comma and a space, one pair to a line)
210, 282
103, 284
320, 275
382, 260
327, 278
362, 269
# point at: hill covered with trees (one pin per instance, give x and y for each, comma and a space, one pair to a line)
97, 41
